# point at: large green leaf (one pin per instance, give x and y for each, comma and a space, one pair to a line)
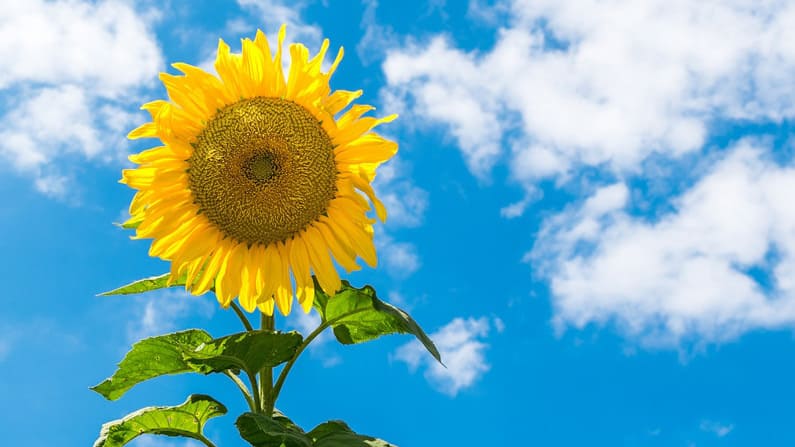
250, 351
152, 357
186, 419
338, 434
278, 431
145, 285
357, 315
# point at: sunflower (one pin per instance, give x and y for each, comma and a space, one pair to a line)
261, 180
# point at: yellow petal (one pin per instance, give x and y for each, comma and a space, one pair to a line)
217, 259
356, 234
299, 260
326, 274
340, 99
344, 255
366, 188
284, 290
227, 282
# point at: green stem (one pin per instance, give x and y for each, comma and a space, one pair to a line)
204, 440
242, 316
267, 400
283, 375
243, 389
257, 402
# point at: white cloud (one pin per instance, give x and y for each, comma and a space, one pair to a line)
720, 264
499, 325
104, 45
720, 430
400, 259
305, 324
584, 83
377, 38
405, 202
516, 209
160, 312
487, 11
274, 13
51, 114
463, 349
70, 71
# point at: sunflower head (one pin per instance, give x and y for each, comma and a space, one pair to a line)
258, 182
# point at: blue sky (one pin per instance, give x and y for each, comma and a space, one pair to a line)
591, 212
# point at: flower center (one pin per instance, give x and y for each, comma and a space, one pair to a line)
259, 168
262, 169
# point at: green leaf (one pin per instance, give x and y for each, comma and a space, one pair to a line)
145, 285
338, 434
186, 419
131, 223
278, 431
152, 357
357, 315
250, 351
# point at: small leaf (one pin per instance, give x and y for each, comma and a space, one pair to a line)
152, 357
262, 431
186, 419
357, 315
250, 351
145, 285
131, 223
338, 434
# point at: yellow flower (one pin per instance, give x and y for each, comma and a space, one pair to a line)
257, 182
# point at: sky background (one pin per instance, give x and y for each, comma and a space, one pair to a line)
591, 213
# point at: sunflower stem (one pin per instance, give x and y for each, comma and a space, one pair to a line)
319, 330
243, 389
242, 316
252, 377
283, 375
266, 374
204, 440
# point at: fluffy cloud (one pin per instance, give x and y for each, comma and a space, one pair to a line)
104, 45
720, 264
463, 349
70, 71
587, 83
274, 13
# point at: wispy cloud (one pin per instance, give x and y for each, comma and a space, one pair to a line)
463, 348
377, 37
720, 430
406, 204
160, 312
400, 259
274, 13
319, 349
